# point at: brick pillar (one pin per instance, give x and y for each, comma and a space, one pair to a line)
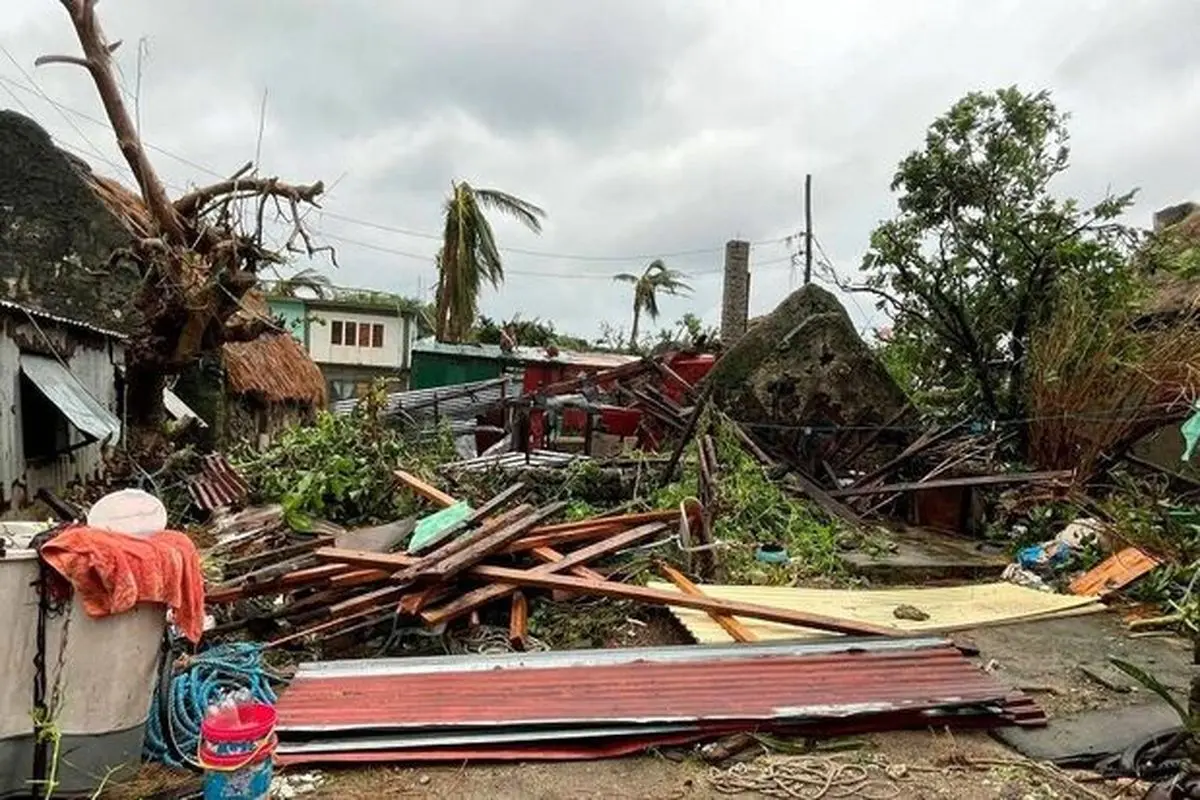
735, 305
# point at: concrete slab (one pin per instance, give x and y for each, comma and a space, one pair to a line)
916, 555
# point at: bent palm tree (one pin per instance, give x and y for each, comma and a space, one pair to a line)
469, 255
655, 279
316, 282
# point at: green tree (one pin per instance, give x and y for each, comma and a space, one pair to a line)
976, 257
469, 254
656, 279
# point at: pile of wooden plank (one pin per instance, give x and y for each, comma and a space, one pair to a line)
490, 557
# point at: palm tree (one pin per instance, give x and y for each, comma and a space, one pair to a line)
316, 282
655, 279
469, 255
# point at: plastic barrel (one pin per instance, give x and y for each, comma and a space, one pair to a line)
236, 747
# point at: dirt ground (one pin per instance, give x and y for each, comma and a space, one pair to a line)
1043, 658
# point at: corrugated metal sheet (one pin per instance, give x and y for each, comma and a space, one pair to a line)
525, 355
776, 688
71, 397
23, 311
217, 485
180, 410
520, 705
535, 459
461, 402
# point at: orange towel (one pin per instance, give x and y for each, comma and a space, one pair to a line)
113, 572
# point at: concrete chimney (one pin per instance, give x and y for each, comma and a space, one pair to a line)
735, 305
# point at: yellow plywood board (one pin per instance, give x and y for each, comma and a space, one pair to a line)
949, 608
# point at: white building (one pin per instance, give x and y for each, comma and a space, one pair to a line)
353, 342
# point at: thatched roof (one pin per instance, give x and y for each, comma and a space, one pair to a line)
123, 203
274, 368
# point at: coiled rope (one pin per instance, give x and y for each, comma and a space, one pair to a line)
173, 731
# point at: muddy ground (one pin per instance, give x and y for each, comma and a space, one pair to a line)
1044, 658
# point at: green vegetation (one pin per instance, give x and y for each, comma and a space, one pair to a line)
980, 252
469, 256
751, 509
340, 468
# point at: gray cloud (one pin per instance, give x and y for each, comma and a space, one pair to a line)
644, 128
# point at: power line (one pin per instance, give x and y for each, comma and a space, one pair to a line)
426, 258
429, 236
42, 93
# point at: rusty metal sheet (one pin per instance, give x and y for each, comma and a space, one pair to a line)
776, 684
217, 485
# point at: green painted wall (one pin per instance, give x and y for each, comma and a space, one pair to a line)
430, 370
293, 314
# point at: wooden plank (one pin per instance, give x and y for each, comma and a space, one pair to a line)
732, 626
518, 622
462, 542
548, 555
312, 577
752, 445
1115, 572
478, 516
949, 483
628, 520
825, 500
642, 594
487, 594
423, 489
279, 554
481, 548
685, 437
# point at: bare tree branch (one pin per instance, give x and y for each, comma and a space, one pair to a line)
189, 204
98, 61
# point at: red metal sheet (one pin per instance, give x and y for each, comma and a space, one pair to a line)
780, 688
218, 484
614, 748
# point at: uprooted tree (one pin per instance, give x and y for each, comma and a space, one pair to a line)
981, 251
197, 256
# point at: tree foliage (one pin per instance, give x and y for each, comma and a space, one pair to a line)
657, 279
470, 256
980, 249
532, 332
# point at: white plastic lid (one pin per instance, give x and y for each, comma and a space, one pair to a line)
129, 511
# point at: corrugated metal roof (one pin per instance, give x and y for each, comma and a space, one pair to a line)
218, 484
787, 683
525, 355
180, 410
46, 316
71, 397
463, 401
515, 461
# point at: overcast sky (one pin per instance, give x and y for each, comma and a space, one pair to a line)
644, 127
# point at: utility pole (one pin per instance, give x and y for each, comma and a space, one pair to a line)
808, 240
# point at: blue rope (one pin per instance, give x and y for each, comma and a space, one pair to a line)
208, 677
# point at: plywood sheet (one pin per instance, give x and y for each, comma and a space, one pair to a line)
949, 608
1115, 572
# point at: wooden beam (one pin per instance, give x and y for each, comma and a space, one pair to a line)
312, 577
466, 540
685, 437
732, 626
487, 594
423, 489
950, 483
825, 500
480, 548
478, 517
620, 591
518, 622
